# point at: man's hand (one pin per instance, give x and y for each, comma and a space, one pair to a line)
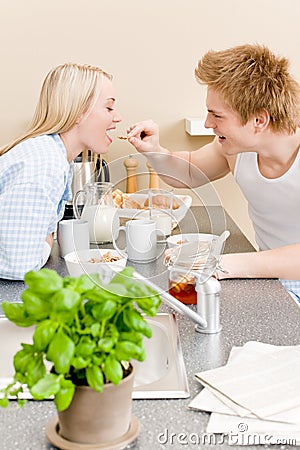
144, 136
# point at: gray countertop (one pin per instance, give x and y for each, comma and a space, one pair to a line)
256, 309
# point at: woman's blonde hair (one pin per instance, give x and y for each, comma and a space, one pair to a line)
68, 91
251, 79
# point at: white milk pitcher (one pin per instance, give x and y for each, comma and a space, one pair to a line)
99, 211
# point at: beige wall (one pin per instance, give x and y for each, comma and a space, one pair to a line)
151, 48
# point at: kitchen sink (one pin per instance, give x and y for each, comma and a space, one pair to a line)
161, 375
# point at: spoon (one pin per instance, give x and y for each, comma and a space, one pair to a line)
217, 247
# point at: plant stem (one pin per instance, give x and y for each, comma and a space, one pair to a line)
102, 330
121, 310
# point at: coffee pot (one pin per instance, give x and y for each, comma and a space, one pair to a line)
85, 171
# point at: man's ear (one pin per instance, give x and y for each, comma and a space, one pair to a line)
261, 120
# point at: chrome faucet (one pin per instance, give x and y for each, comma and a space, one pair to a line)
207, 317
208, 305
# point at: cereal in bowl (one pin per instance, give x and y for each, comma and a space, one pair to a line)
106, 258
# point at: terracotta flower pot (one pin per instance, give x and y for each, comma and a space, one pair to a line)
97, 418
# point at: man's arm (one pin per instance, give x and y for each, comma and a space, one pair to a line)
282, 262
179, 169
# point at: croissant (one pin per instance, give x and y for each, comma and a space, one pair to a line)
117, 197
130, 203
122, 200
162, 202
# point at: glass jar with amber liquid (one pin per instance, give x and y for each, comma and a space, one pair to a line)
182, 287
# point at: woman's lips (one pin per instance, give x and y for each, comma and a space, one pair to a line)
109, 138
107, 133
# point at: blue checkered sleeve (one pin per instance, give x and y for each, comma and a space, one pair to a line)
26, 214
293, 288
35, 179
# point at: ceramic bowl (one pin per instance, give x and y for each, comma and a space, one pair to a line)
188, 238
85, 262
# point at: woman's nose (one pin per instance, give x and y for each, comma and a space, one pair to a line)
117, 117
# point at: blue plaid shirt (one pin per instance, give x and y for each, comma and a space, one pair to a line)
293, 288
35, 183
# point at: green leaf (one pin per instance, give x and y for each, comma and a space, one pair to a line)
106, 344
112, 331
4, 402
132, 336
83, 283
99, 295
94, 378
44, 281
65, 395
127, 350
14, 389
60, 352
78, 362
44, 334
131, 288
65, 303
98, 359
46, 387
85, 347
95, 329
35, 306
22, 358
35, 370
117, 289
15, 312
124, 277
113, 370
21, 402
104, 310
134, 320
149, 305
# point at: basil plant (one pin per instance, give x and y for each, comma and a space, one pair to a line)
87, 331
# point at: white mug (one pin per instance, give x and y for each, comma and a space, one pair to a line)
72, 236
163, 222
161, 210
140, 240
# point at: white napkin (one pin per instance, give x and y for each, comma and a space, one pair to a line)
207, 401
276, 390
263, 385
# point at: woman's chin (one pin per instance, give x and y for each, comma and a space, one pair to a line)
101, 151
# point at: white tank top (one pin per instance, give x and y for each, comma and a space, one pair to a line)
273, 204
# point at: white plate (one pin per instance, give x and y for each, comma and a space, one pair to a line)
184, 201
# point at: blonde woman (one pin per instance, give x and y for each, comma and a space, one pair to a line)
75, 111
253, 107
